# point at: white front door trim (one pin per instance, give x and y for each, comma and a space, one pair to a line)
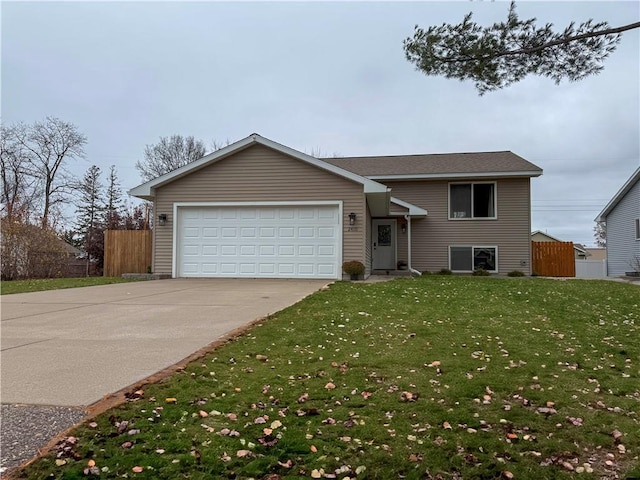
294, 203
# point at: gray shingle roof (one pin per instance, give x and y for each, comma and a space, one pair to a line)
437, 164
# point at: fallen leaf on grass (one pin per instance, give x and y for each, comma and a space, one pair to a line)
330, 386
137, 469
243, 453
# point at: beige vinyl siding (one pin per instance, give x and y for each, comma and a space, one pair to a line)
259, 174
432, 236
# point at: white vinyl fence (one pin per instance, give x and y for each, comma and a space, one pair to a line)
591, 268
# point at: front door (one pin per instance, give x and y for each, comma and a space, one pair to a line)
384, 244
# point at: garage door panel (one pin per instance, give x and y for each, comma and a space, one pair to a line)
192, 232
306, 250
267, 232
210, 268
267, 250
248, 232
286, 268
267, 268
282, 241
286, 232
326, 251
326, 232
306, 232
210, 250
191, 250
210, 232
229, 250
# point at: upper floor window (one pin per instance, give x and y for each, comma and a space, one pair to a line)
472, 200
637, 228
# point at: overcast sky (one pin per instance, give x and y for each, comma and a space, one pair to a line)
320, 76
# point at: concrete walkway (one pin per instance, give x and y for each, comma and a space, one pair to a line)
72, 347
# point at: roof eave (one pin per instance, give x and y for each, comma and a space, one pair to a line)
635, 176
147, 190
414, 210
440, 176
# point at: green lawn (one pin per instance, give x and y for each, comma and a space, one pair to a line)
38, 285
438, 377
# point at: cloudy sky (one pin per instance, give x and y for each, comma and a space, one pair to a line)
320, 76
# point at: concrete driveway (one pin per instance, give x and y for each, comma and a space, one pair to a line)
72, 347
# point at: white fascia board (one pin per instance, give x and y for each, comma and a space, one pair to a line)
635, 177
433, 176
414, 211
146, 189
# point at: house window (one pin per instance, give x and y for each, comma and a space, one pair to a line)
470, 258
472, 200
637, 228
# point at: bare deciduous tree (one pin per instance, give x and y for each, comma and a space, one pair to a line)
17, 194
169, 154
47, 146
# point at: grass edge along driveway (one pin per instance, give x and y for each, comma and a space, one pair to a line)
437, 377
42, 284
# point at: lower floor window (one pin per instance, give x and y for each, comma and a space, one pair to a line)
470, 258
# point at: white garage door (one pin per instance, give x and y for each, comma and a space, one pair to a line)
264, 241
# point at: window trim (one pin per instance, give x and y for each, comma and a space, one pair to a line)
637, 225
473, 247
495, 201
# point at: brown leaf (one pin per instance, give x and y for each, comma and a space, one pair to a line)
243, 453
137, 469
617, 435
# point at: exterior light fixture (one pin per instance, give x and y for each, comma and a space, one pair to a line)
404, 228
162, 219
352, 218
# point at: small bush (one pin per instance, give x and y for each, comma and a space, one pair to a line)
444, 271
353, 267
481, 272
426, 272
515, 273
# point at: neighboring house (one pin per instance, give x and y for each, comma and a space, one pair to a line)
579, 250
598, 253
622, 218
257, 208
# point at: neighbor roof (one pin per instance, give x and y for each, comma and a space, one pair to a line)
442, 165
635, 177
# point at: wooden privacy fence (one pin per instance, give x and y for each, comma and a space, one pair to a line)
553, 259
126, 251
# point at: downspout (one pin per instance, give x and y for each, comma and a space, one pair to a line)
413, 272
